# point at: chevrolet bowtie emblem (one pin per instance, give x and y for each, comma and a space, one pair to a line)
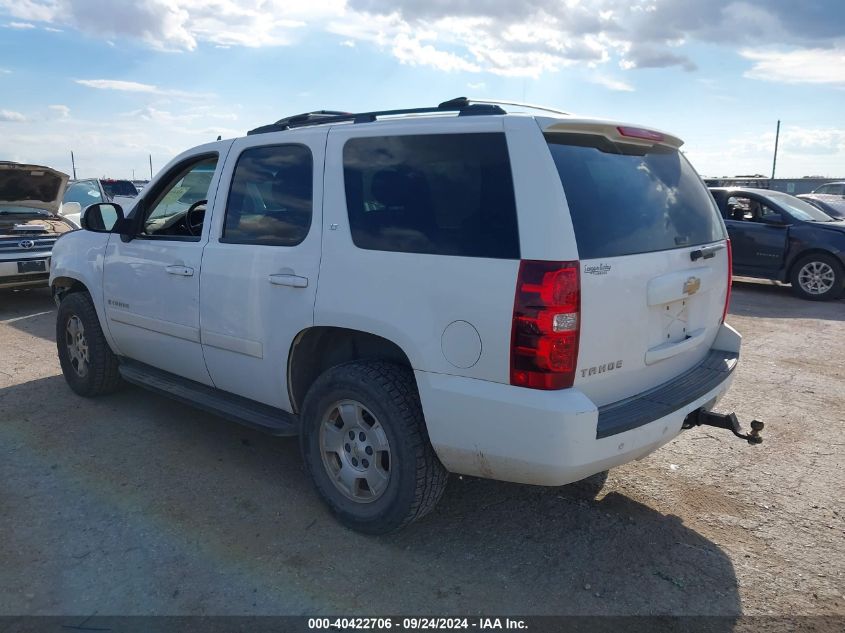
692, 285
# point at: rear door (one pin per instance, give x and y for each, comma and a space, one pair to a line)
653, 258
260, 267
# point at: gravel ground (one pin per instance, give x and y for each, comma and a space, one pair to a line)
134, 504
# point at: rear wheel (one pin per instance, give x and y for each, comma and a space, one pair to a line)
818, 277
366, 448
88, 364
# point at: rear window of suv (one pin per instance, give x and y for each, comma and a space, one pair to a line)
442, 194
119, 188
626, 199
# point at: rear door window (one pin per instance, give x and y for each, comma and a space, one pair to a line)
270, 201
443, 194
626, 199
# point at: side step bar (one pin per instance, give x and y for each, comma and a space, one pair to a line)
226, 405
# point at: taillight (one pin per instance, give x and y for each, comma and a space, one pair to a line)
730, 281
546, 325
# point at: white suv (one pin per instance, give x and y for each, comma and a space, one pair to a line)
454, 289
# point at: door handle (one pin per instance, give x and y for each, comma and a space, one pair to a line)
294, 281
184, 271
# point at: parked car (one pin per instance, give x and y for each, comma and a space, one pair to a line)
833, 205
831, 188
30, 224
781, 237
94, 190
531, 299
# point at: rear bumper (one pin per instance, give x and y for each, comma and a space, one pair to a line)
553, 438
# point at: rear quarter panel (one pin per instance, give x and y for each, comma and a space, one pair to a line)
411, 299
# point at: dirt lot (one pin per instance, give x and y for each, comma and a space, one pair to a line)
133, 504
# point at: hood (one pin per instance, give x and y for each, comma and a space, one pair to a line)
31, 186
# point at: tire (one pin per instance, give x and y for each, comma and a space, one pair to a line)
828, 283
389, 447
89, 365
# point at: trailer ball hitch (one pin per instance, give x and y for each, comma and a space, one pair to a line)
729, 421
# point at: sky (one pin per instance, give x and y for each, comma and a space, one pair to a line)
118, 81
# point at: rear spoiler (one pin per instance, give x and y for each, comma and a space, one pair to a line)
616, 132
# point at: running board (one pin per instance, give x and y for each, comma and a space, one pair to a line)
226, 405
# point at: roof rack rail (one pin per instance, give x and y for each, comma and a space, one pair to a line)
461, 105
519, 104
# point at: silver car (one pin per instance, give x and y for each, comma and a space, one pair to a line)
30, 222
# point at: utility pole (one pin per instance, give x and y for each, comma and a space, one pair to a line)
73, 164
775, 159
151, 166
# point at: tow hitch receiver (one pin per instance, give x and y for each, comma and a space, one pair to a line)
729, 421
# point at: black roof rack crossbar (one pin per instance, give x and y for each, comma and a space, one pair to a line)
461, 105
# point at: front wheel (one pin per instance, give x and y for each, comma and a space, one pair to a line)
366, 447
818, 277
88, 364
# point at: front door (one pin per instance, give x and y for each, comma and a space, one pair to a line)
260, 267
151, 283
758, 234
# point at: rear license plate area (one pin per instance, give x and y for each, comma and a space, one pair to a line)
33, 266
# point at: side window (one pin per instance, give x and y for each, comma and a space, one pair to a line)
270, 201
824, 189
767, 213
167, 213
739, 209
85, 193
443, 194
750, 210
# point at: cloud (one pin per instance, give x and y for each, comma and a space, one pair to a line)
412, 51
814, 65
650, 57
121, 85
118, 84
611, 84
179, 25
10, 116
802, 151
62, 111
19, 25
503, 37
5, 71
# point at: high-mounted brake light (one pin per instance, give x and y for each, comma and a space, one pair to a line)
730, 281
546, 325
639, 132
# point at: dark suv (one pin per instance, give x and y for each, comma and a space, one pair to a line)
778, 236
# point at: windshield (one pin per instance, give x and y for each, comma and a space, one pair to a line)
627, 199
799, 209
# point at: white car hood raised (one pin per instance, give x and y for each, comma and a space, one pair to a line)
31, 186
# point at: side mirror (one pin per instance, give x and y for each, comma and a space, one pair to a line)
70, 208
102, 217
